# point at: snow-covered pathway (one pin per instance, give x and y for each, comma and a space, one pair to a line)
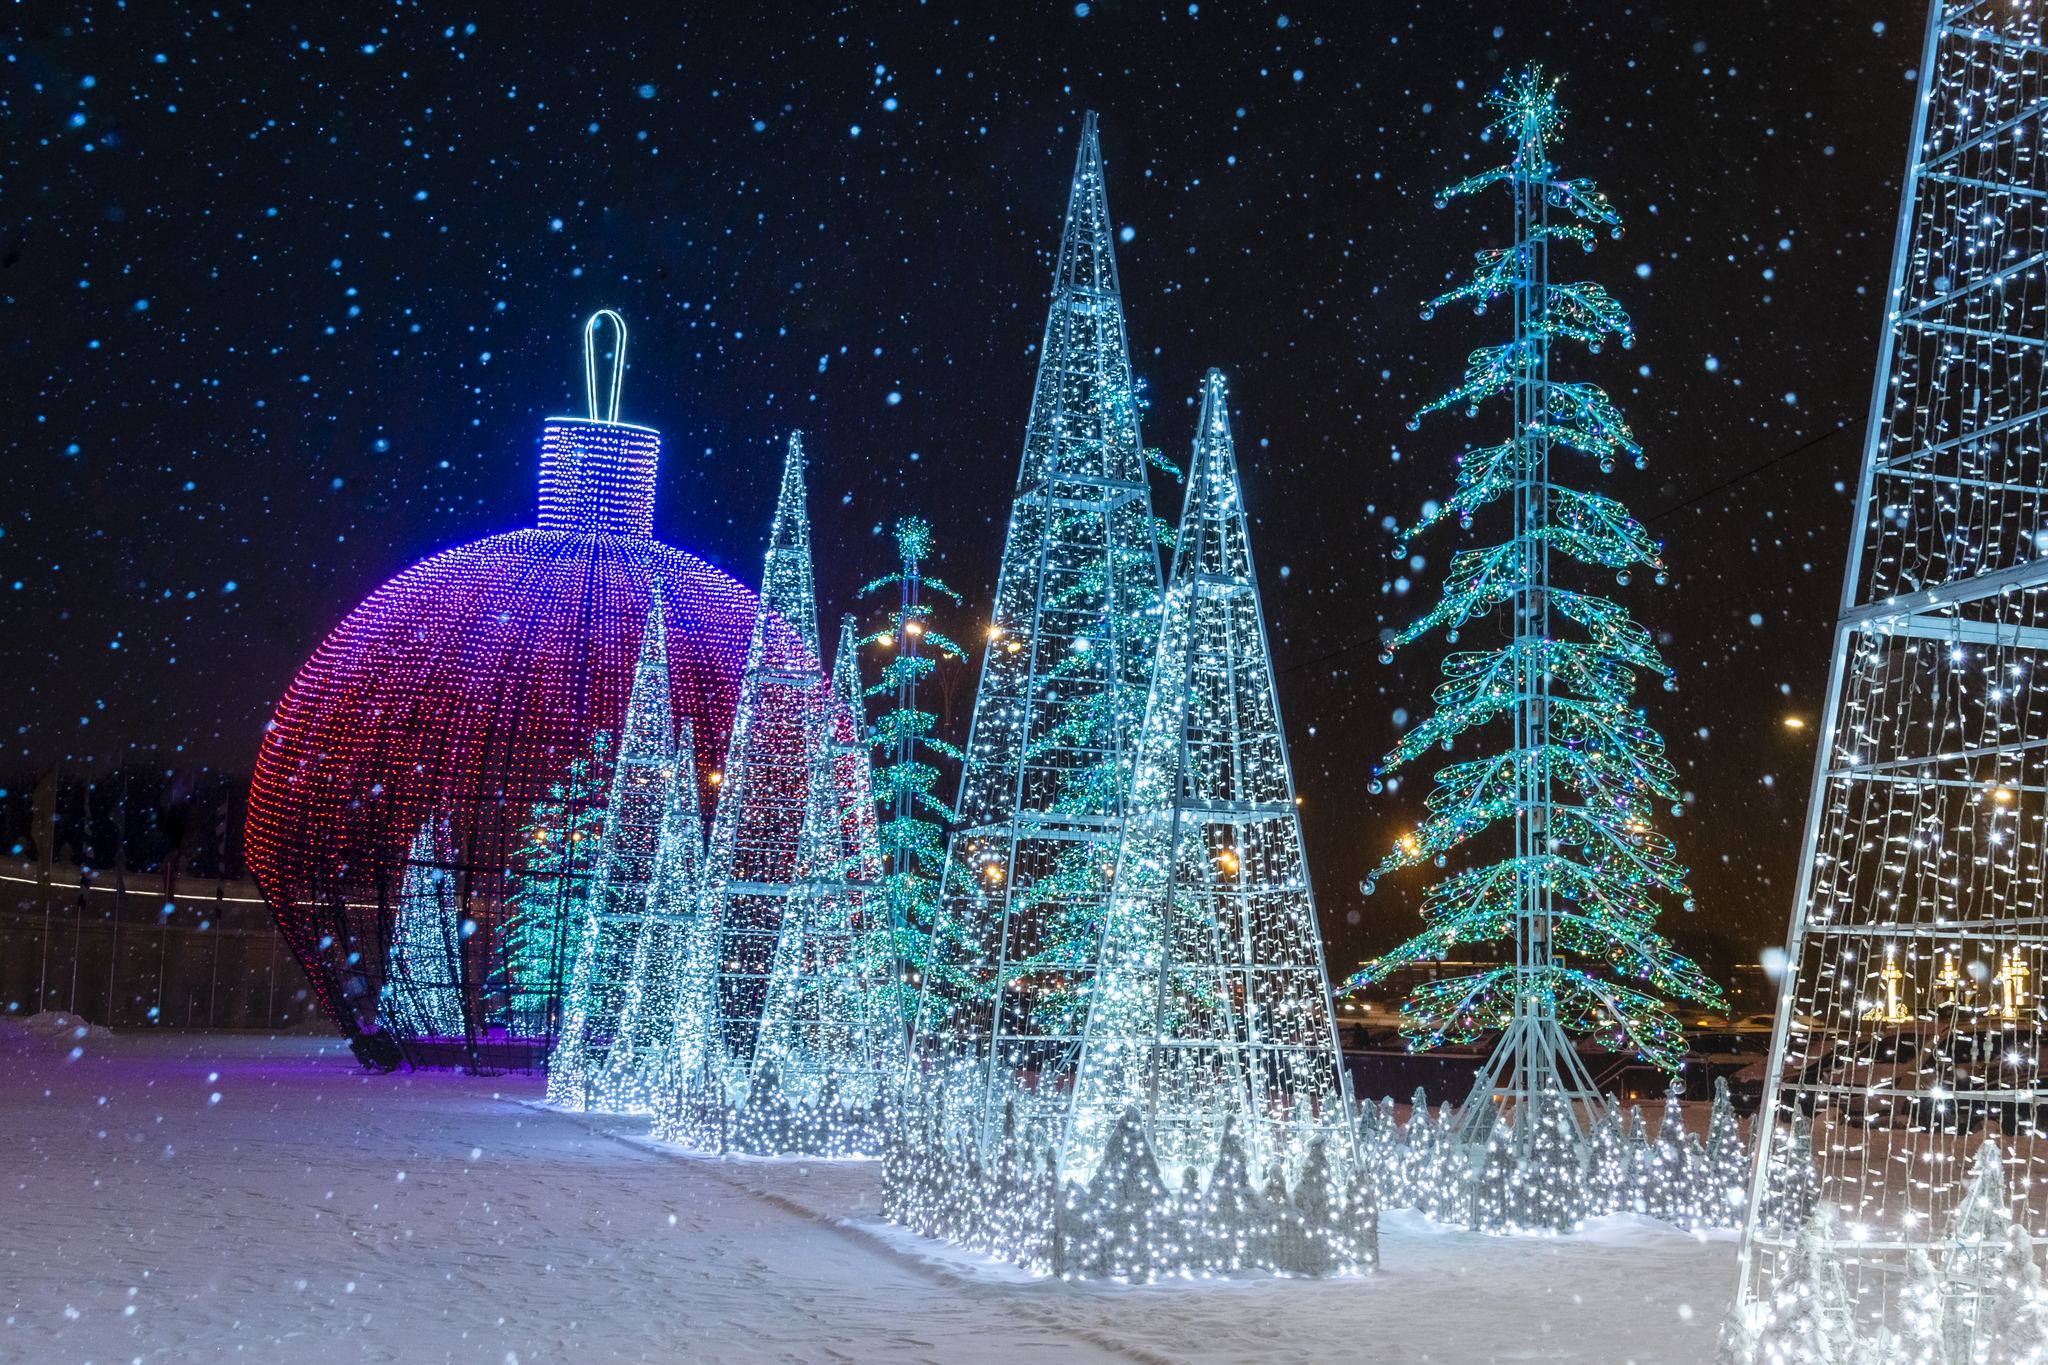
313, 1213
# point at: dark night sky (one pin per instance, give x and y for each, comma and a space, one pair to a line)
285, 303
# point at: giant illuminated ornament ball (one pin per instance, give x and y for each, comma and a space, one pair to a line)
421, 798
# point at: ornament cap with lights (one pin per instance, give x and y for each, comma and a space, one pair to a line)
597, 473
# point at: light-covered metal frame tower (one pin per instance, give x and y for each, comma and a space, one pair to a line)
1909, 1011
1063, 678
1211, 999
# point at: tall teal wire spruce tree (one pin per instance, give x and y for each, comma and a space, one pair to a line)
914, 830
1569, 864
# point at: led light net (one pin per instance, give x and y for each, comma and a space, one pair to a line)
1908, 1045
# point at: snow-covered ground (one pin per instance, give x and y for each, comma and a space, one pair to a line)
174, 1198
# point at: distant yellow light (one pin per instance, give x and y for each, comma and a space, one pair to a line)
2002, 794
914, 628
717, 778
885, 639
1794, 723
1014, 646
995, 632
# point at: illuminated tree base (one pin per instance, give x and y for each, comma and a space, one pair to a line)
1532, 1176
1981, 1303
619, 1084
766, 1122
1128, 1223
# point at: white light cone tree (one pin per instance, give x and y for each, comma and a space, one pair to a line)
1062, 686
1909, 1012
761, 798
614, 910
643, 1068
831, 1047
423, 986
750, 867
852, 772
1208, 1130
1211, 998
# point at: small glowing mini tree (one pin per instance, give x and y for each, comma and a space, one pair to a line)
1578, 786
423, 982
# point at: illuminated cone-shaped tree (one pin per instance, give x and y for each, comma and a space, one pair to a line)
644, 1065
1723, 1177
1973, 1261
2015, 1322
1574, 793
1211, 998
423, 986
1810, 1319
913, 837
761, 799
832, 1036
614, 911
1062, 687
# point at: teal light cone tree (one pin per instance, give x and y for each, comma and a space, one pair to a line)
1570, 865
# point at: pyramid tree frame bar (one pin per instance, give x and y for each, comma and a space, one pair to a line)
1919, 929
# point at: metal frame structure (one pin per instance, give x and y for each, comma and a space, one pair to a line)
1211, 996
1907, 1017
1074, 599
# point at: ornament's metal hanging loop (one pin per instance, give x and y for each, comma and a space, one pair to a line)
611, 413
